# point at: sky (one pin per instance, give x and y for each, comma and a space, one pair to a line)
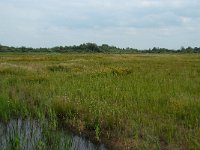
139, 24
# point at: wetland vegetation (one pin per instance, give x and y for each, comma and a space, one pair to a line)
126, 101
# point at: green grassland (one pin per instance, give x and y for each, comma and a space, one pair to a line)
127, 101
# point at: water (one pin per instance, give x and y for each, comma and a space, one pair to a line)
31, 135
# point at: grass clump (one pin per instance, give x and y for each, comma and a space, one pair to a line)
61, 68
120, 71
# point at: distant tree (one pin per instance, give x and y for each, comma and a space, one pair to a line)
182, 48
92, 47
189, 49
105, 47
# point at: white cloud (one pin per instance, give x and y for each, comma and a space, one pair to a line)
140, 23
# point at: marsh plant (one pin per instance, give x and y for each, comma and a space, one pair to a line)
29, 134
141, 101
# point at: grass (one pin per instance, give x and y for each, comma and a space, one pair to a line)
141, 101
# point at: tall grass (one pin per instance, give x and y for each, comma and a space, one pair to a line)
139, 101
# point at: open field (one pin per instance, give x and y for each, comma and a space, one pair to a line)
141, 101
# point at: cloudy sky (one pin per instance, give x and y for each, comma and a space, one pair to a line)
131, 23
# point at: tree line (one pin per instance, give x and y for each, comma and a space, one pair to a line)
94, 48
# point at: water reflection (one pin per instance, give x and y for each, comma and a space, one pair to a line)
29, 135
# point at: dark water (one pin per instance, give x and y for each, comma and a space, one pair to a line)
31, 135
